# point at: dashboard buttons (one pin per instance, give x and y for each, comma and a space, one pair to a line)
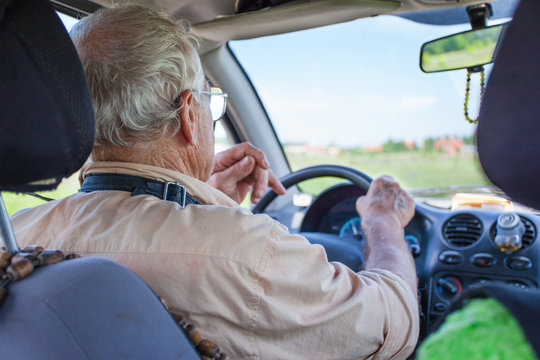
450, 257
483, 260
449, 286
413, 244
440, 306
519, 263
517, 283
480, 282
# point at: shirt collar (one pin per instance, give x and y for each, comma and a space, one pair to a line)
199, 190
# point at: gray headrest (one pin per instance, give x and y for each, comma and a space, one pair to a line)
46, 114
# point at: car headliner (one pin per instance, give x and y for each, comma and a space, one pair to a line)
218, 22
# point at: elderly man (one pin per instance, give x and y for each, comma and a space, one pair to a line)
242, 279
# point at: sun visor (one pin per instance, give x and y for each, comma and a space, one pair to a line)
509, 124
46, 115
292, 16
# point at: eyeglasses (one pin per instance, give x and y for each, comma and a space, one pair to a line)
218, 102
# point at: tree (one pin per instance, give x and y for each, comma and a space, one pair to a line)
469, 140
394, 146
428, 144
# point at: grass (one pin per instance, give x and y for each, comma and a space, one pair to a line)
15, 202
415, 169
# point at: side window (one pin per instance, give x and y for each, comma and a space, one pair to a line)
15, 202
67, 20
223, 140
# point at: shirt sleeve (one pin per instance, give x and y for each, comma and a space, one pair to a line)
325, 310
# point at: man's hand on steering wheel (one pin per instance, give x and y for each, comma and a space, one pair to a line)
240, 169
385, 211
386, 199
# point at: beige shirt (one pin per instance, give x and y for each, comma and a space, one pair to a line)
246, 283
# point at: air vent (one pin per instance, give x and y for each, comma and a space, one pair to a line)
462, 230
528, 237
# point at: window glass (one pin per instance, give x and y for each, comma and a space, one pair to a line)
353, 94
67, 20
223, 140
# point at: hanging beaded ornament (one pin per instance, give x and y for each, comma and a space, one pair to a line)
467, 89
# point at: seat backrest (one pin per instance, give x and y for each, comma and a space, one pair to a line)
508, 140
47, 127
509, 123
88, 308
77, 309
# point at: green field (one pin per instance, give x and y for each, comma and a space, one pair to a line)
16, 202
414, 169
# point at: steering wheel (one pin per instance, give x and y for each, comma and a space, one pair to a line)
358, 178
346, 251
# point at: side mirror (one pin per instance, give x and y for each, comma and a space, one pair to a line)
467, 49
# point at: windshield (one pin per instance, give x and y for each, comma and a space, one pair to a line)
354, 94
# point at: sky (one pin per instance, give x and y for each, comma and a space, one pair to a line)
357, 83
67, 20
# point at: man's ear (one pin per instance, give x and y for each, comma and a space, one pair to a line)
187, 116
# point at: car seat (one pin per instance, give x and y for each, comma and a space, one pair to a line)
87, 308
508, 147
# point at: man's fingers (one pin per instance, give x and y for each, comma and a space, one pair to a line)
247, 164
240, 170
360, 203
383, 181
236, 153
386, 197
275, 184
250, 150
260, 177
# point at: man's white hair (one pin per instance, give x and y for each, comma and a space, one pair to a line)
137, 63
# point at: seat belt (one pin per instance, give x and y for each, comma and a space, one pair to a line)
136, 185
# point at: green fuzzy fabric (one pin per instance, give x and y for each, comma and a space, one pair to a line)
481, 330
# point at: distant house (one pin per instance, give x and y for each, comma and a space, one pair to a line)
296, 149
409, 144
372, 148
314, 149
448, 145
333, 150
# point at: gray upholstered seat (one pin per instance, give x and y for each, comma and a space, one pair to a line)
86, 308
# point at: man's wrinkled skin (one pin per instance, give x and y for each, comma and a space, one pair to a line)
385, 211
241, 168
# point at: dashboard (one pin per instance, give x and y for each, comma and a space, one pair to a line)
453, 250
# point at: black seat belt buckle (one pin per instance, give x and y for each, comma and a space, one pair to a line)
181, 190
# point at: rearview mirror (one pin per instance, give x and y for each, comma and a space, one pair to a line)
459, 51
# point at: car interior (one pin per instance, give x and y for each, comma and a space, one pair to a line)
473, 242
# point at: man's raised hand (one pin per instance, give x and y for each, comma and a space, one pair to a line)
241, 168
